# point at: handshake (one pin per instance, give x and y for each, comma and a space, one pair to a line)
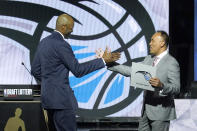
107, 55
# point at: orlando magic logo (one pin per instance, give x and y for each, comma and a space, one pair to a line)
124, 26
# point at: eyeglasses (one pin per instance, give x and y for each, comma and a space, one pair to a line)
147, 75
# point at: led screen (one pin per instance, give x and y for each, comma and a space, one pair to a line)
124, 26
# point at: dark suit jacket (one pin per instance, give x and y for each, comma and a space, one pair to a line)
53, 60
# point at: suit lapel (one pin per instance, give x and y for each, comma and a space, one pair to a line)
150, 61
162, 61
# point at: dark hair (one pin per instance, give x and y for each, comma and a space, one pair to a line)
165, 36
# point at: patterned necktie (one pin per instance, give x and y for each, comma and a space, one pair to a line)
155, 61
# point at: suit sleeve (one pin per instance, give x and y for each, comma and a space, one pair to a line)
172, 86
36, 66
78, 69
122, 69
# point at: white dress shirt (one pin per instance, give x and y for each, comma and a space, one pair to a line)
160, 56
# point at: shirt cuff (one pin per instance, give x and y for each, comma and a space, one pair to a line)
103, 61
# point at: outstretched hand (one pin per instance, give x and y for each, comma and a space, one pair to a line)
99, 53
107, 55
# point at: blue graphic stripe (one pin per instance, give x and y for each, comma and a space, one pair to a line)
74, 48
74, 81
115, 91
84, 92
83, 55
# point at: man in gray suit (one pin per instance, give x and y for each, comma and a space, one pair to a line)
158, 106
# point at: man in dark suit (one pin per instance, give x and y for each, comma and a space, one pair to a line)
158, 106
53, 60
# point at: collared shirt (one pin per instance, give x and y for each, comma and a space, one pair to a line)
160, 56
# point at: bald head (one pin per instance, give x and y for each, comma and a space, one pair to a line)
64, 24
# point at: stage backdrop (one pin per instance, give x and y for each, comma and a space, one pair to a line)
195, 40
123, 25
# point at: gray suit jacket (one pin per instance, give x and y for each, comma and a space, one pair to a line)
159, 105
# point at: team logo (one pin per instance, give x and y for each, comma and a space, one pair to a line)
124, 26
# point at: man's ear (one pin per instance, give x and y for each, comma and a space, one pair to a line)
163, 44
